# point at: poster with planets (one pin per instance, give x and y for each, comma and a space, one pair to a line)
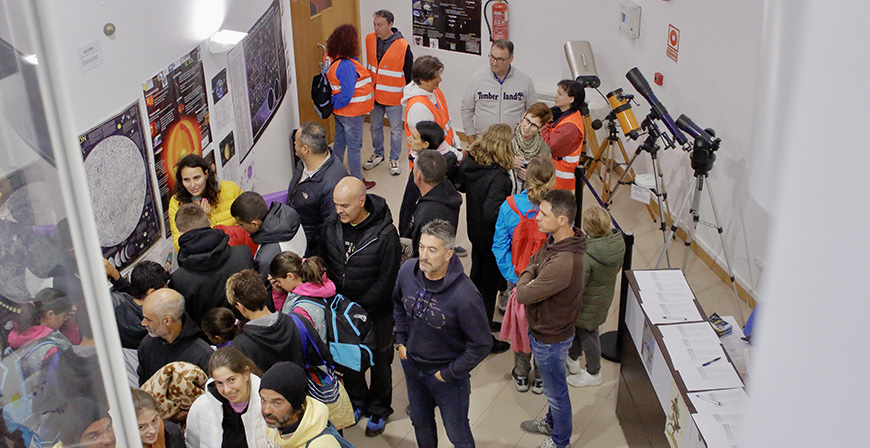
256, 71
119, 180
176, 99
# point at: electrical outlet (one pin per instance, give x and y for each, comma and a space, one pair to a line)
759, 262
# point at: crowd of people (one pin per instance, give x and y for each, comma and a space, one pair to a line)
237, 346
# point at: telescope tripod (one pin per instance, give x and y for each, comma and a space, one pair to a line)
604, 157
650, 146
695, 195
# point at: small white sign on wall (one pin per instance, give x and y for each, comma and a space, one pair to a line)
90, 56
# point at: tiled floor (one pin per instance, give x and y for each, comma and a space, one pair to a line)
496, 408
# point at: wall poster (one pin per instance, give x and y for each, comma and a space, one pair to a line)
452, 25
116, 167
256, 68
179, 120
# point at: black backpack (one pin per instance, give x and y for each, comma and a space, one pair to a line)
349, 332
321, 94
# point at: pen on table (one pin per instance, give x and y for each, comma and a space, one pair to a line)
717, 403
674, 318
711, 361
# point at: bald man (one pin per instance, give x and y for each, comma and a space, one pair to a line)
172, 335
361, 248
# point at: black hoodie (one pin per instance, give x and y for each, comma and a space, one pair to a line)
206, 261
154, 353
274, 338
442, 202
486, 187
365, 271
276, 233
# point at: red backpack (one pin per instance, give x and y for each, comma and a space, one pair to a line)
527, 239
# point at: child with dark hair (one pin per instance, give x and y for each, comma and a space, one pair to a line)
154, 431
220, 326
302, 278
274, 228
43, 319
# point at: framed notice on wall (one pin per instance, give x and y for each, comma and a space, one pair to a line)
452, 25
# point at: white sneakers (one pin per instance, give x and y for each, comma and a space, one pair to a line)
373, 161
573, 365
584, 379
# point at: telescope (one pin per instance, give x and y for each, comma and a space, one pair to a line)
619, 102
706, 143
639, 83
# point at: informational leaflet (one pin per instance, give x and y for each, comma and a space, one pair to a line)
720, 429
719, 401
179, 120
716, 375
666, 297
452, 25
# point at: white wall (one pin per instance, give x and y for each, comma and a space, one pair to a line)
714, 83
809, 378
151, 35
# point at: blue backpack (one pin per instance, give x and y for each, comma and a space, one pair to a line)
348, 331
330, 430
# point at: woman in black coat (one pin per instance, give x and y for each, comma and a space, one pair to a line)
483, 177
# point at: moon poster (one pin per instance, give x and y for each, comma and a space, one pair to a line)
119, 181
179, 120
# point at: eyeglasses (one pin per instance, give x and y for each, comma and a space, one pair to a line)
499, 60
529, 122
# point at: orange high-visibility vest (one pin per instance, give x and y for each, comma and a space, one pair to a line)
363, 100
565, 165
442, 116
388, 75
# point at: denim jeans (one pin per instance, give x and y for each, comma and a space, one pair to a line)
348, 133
394, 113
424, 393
550, 362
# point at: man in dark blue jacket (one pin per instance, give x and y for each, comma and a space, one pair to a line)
314, 177
362, 252
442, 332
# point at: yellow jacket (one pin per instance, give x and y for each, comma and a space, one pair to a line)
313, 423
219, 214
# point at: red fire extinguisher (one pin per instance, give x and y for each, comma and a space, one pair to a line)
499, 28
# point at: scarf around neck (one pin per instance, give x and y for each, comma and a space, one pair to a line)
526, 148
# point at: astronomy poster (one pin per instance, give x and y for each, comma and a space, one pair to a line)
116, 167
257, 73
452, 25
179, 120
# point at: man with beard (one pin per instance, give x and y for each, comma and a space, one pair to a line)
294, 419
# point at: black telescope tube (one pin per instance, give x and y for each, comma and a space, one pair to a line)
635, 77
686, 124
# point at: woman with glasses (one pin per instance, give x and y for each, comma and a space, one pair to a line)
528, 144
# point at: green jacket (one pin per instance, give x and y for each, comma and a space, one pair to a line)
601, 264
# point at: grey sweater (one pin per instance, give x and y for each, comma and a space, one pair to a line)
487, 102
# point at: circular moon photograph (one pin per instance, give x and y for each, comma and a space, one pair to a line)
117, 181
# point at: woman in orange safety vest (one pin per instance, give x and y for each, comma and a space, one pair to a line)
564, 135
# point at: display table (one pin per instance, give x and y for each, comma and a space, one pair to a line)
678, 385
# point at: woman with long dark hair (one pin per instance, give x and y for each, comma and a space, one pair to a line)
352, 96
196, 182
